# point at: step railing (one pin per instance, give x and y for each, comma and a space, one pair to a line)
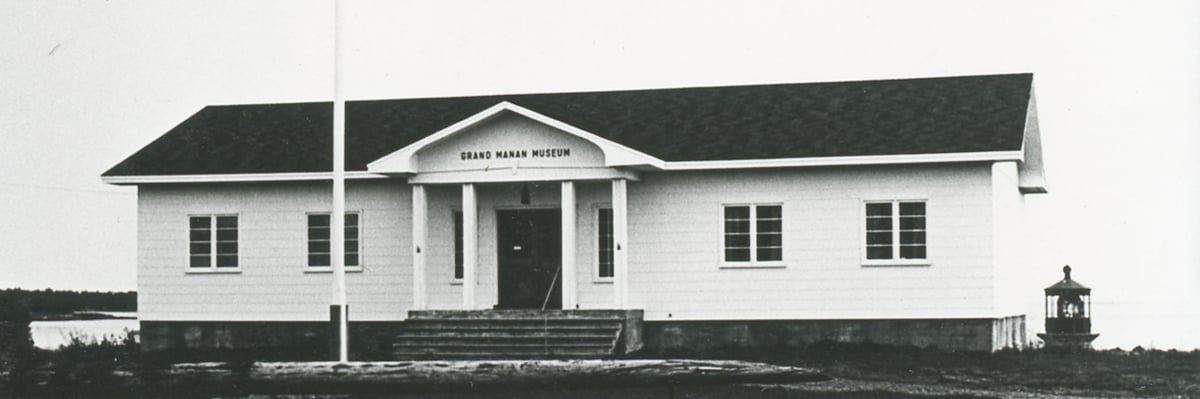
545, 317
550, 291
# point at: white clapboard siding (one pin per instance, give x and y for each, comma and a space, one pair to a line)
273, 283
676, 245
1014, 288
593, 292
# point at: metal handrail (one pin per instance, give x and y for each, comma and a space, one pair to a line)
546, 318
550, 290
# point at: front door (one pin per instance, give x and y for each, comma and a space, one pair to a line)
529, 256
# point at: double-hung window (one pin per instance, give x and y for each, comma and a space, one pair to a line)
604, 244
895, 232
319, 248
753, 235
212, 242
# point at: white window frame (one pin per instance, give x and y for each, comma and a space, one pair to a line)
212, 251
896, 260
596, 277
753, 263
329, 269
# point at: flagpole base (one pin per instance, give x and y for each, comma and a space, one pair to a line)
335, 319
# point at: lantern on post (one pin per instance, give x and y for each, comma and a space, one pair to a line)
1068, 314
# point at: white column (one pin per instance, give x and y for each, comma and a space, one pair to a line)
568, 245
470, 244
419, 236
620, 244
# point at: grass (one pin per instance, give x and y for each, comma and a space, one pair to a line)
115, 367
1137, 372
663, 392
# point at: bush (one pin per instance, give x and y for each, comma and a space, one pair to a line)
16, 344
86, 365
14, 331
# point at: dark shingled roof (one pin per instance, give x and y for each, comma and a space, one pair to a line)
884, 117
1067, 285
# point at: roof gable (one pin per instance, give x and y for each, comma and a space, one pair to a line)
405, 160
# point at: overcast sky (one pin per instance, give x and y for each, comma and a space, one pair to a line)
85, 84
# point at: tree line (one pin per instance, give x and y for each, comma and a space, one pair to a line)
48, 301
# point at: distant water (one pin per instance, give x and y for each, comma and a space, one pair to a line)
54, 334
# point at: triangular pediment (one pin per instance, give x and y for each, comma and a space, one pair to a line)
507, 136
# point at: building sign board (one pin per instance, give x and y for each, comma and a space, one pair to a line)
515, 154
507, 142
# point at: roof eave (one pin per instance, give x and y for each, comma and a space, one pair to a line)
860, 160
233, 178
855, 160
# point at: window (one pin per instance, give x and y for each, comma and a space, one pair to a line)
604, 244
895, 230
753, 234
213, 242
319, 244
458, 245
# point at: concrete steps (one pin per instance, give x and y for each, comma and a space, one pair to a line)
511, 334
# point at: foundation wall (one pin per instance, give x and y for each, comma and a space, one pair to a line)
281, 341
982, 334
226, 340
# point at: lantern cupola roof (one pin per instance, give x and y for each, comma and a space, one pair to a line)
1067, 285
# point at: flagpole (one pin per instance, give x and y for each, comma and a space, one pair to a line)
337, 219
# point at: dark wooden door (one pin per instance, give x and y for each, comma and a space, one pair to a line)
529, 252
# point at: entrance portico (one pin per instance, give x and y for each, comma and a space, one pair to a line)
492, 160
486, 212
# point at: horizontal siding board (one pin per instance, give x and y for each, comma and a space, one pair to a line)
272, 283
675, 247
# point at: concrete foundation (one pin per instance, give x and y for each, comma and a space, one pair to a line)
215, 341
984, 334
284, 341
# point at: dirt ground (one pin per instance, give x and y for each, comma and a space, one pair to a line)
835, 389
857, 371
864, 370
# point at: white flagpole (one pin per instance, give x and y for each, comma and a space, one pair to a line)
337, 219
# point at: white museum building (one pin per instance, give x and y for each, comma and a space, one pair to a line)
884, 211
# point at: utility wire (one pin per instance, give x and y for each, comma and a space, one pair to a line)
67, 189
